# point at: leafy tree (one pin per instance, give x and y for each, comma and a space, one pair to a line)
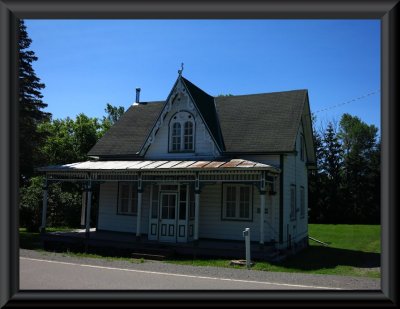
113, 114
30, 107
63, 209
69, 140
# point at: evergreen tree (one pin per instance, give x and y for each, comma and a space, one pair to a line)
30, 107
315, 198
331, 166
361, 160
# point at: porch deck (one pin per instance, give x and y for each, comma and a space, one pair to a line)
126, 244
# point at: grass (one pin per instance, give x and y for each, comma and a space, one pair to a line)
354, 250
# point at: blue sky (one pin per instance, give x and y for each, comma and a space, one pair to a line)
88, 63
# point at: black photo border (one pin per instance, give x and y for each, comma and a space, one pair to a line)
11, 10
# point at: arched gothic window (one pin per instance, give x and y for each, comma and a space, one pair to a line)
182, 132
188, 136
176, 136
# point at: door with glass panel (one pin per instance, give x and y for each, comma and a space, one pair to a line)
167, 216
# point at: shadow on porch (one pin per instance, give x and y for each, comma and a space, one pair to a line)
126, 244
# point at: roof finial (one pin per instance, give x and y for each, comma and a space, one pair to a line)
181, 70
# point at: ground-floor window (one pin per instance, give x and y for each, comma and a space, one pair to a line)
237, 202
127, 199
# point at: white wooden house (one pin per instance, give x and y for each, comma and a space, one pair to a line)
201, 167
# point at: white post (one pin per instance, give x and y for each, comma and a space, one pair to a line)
139, 213
246, 235
83, 209
196, 214
44, 208
88, 208
262, 216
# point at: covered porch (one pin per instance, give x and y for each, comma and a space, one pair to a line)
126, 244
172, 219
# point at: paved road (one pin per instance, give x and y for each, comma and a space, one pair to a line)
55, 271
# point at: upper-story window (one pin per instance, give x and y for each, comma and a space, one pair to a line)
182, 132
176, 136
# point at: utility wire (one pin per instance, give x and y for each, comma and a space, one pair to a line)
347, 102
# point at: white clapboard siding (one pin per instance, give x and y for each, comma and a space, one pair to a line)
295, 172
212, 226
111, 221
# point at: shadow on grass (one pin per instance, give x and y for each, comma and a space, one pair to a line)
30, 241
318, 257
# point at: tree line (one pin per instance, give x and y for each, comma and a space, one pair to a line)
345, 188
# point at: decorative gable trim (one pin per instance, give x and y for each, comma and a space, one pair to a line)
179, 91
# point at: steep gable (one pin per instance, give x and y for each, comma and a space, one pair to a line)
224, 126
185, 103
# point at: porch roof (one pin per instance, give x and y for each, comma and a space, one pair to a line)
160, 165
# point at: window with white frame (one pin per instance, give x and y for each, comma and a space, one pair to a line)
237, 202
182, 132
176, 136
302, 202
188, 136
292, 202
127, 204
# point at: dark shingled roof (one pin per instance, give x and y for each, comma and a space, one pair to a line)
128, 134
257, 123
205, 105
266, 122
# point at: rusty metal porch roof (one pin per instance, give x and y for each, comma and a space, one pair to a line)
148, 165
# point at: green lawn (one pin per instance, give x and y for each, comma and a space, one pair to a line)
354, 250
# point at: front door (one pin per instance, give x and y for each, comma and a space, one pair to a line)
167, 226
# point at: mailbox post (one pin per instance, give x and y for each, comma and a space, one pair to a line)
246, 235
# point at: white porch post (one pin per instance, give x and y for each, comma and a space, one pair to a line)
83, 208
88, 208
44, 208
262, 206
196, 214
139, 214
262, 216
139, 206
196, 207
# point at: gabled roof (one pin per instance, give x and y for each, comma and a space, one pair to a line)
266, 122
206, 106
127, 135
256, 123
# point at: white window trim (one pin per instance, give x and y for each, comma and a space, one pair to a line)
132, 202
237, 204
182, 134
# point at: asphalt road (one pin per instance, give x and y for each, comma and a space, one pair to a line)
51, 271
